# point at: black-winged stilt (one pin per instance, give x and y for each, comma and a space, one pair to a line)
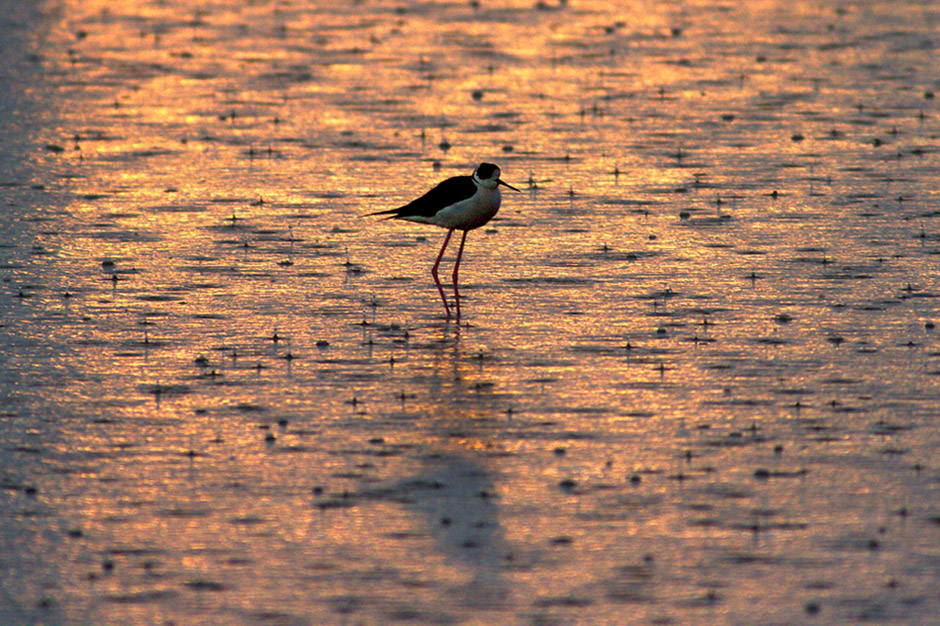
458, 203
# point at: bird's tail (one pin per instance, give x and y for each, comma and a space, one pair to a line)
389, 214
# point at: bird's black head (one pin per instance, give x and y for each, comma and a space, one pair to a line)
487, 175
487, 171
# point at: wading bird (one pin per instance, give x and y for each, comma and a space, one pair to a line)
458, 203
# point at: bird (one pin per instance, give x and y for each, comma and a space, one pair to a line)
458, 203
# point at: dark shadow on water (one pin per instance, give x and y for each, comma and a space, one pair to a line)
456, 499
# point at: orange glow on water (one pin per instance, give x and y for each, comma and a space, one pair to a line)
691, 346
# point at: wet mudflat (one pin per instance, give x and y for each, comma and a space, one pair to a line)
697, 376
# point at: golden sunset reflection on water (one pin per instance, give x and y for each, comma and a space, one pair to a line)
696, 377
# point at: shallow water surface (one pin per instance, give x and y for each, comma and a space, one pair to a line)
697, 376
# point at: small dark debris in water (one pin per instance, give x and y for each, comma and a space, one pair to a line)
323, 343
477, 94
797, 137
811, 608
636, 479
568, 484
765, 474
560, 451
205, 585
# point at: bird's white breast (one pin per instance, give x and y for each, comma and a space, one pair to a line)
471, 213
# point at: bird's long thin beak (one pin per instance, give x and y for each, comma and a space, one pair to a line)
508, 185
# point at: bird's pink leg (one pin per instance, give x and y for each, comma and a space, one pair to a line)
456, 269
437, 281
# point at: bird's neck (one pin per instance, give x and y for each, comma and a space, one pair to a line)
485, 184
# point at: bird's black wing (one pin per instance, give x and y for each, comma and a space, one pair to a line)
449, 192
